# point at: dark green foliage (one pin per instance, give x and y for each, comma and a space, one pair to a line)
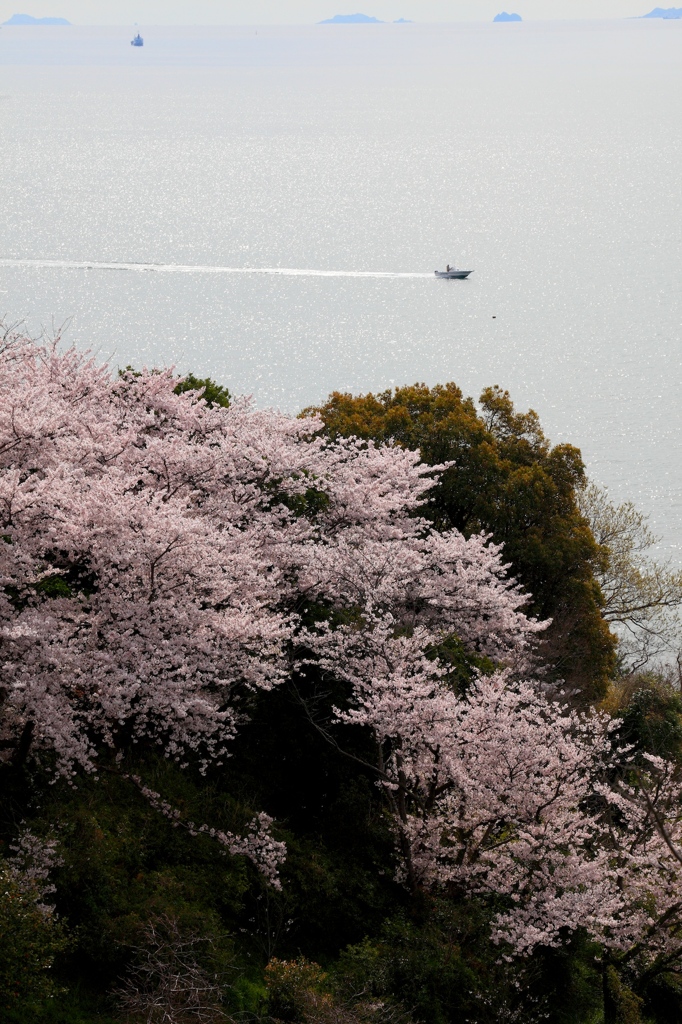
462, 666
212, 393
292, 986
421, 963
309, 504
621, 1004
125, 864
651, 713
54, 586
438, 961
662, 1000
568, 981
338, 877
77, 1005
30, 940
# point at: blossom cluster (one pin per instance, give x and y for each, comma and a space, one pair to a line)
32, 861
258, 845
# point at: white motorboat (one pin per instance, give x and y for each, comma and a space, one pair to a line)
453, 274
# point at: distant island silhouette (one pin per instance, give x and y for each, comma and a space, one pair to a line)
351, 19
403, 21
670, 14
27, 19
507, 17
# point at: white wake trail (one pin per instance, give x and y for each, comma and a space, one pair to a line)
174, 268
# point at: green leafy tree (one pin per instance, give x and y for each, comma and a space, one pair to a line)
213, 394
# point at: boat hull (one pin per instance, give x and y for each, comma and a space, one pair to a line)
454, 275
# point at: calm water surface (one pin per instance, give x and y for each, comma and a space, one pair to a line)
548, 157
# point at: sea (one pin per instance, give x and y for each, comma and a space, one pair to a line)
266, 206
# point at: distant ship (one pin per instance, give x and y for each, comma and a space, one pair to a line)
137, 41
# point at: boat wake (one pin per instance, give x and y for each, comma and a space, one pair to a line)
175, 268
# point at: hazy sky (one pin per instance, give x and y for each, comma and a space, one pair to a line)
251, 12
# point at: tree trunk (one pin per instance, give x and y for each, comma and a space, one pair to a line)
608, 975
24, 745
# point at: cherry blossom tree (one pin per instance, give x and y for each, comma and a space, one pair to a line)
153, 550
642, 822
499, 789
156, 556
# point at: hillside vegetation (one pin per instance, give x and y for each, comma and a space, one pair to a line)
361, 716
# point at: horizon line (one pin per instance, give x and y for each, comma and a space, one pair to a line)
327, 24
